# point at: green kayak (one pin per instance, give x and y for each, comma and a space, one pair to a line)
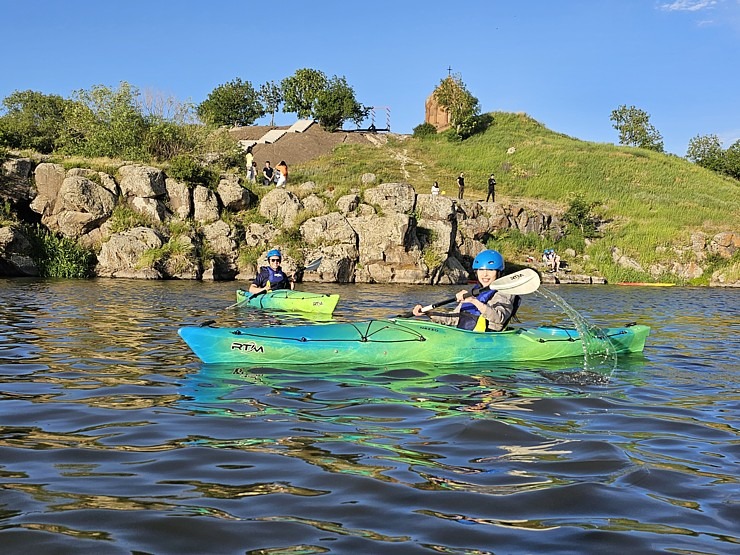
395, 341
288, 300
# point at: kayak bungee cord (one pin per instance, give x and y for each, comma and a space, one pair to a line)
362, 337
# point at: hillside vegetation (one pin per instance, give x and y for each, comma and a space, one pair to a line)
648, 203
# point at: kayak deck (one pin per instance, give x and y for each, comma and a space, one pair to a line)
377, 342
288, 300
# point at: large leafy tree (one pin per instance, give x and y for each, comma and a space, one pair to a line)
453, 96
271, 95
336, 104
635, 129
234, 103
106, 122
301, 91
33, 120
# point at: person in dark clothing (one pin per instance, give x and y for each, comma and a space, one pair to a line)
271, 277
267, 174
460, 185
491, 189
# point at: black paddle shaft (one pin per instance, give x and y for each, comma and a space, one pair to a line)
475, 292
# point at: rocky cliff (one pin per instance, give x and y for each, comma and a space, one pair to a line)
385, 233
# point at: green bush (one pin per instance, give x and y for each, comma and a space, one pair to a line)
124, 218
580, 215
57, 256
186, 168
424, 130
165, 140
105, 122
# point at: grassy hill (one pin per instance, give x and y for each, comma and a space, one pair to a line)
651, 203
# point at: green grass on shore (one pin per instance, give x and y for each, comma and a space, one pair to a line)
652, 202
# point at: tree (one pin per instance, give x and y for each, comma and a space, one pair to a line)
580, 214
106, 122
732, 156
635, 129
706, 151
33, 120
272, 95
453, 96
301, 91
336, 103
234, 103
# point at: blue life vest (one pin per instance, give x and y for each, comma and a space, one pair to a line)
277, 280
483, 297
470, 317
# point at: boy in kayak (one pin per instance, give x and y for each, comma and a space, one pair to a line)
488, 310
272, 276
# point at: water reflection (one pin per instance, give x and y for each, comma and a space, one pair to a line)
115, 439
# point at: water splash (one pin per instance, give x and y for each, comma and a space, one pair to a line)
598, 351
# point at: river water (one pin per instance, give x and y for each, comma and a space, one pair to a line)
115, 439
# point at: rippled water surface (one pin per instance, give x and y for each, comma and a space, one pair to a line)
115, 439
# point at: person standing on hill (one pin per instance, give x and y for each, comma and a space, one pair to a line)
435, 189
282, 174
491, 189
460, 185
250, 166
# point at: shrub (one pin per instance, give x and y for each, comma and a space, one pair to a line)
124, 218
186, 168
424, 130
57, 256
165, 140
579, 214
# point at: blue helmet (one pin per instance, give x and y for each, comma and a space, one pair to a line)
275, 253
489, 260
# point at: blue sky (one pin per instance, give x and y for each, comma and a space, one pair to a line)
566, 63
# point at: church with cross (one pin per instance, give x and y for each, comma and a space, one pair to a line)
437, 115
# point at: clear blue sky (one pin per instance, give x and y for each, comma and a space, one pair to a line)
566, 63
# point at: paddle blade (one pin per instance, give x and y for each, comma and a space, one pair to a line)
523, 282
314, 265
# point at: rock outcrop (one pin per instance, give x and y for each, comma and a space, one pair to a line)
387, 233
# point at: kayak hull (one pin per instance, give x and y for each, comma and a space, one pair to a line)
289, 300
396, 341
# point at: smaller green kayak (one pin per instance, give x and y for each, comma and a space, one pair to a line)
289, 300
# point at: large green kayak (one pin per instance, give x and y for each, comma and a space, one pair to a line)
397, 341
289, 300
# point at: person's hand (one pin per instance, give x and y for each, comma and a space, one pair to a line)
417, 310
460, 296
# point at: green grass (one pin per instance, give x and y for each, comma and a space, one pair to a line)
647, 199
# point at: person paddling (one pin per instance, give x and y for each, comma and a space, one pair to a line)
488, 310
271, 277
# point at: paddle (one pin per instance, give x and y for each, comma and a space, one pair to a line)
314, 265
522, 282
310, 267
